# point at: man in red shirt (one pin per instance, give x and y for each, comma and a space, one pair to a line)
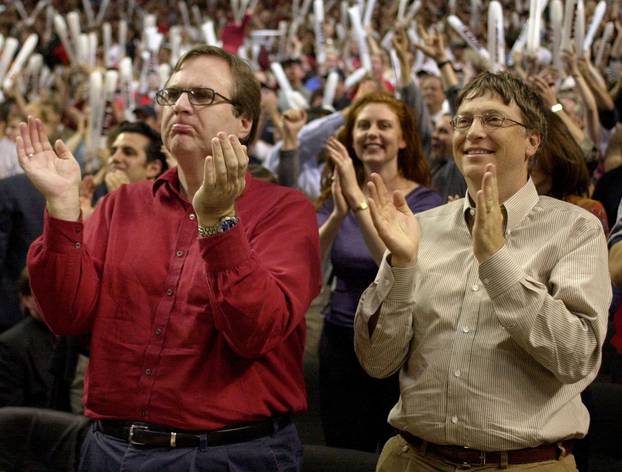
197, 334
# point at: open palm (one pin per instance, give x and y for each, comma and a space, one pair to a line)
52, 171
396, 224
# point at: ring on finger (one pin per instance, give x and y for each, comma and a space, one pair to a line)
30, 155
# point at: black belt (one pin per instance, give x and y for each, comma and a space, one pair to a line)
145, 434
472, 457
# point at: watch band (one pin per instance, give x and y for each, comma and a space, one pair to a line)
224, 224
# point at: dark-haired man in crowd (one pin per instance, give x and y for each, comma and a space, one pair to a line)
194, 287
136, 155
494, 306
137, 152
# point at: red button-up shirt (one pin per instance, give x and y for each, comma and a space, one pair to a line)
186, 332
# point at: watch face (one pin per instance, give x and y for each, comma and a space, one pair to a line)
223, 225
227, 223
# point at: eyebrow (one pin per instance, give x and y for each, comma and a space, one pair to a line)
379, 120
125, 148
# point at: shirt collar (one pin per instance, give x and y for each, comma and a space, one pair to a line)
170, 178
514, 208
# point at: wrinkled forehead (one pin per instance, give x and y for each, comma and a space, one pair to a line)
202, 71
486, 101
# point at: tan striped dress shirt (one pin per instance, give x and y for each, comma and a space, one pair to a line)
493, 356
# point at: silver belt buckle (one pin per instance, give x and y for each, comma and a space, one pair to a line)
133, 428
468, 465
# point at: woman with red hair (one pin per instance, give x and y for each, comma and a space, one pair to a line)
379, 136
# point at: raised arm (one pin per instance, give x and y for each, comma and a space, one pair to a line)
289, 162
62, 275
382, 347
260, 279
53, 171
355, 197
596, 83
591, 112
394, 222
311, 138
550, 98
410, 92
433, 46
330, 227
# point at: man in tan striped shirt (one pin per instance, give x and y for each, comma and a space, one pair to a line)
493, 307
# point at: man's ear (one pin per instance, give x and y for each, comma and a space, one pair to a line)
534, 140
154, 168
245, 127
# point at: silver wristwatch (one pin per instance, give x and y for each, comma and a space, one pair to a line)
224, 224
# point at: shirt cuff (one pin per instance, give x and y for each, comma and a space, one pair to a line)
226, 250
403, 281
499, 273
62, 236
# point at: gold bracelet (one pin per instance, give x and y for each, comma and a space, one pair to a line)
361, 207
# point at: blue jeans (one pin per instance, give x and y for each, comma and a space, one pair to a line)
281, 452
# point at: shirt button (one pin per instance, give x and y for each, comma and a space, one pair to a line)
191, 216
78, 230
454, 419
148, 371
158, 331
457, 373
77, 245
404, 448
465, 329
179, 253
169, 292
486, 281
475, 287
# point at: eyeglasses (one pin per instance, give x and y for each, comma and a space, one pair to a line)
489, 121
202, 96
